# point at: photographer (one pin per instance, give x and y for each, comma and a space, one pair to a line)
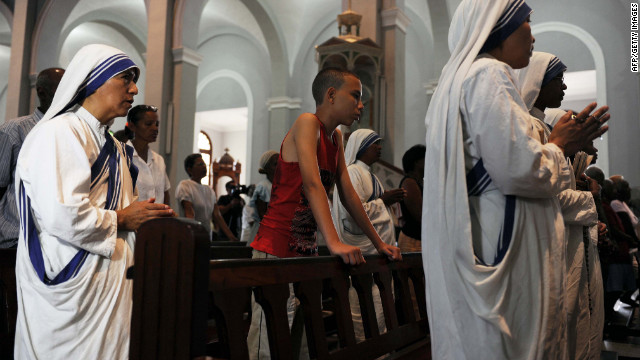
230, 206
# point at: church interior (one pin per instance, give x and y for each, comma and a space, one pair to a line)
229, 77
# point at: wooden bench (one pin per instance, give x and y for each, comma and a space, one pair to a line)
177, 289
8, 302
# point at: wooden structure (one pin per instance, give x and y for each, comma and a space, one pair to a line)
8, 302
226, 166
174, 279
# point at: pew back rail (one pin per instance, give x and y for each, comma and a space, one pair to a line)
169, 309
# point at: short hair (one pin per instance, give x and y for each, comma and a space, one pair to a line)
595, 173
190, 160
411, 156
327, 78
44, 78
229, 184
135, 114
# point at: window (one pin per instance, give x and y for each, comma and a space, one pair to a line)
204, 145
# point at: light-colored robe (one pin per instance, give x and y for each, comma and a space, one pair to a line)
490, 295
87, 316
584, 288
376, 210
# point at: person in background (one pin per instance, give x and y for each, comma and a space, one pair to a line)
542, 86
363, 150
230, 206
411, 206
254, 211
197, 201
142, 130
12, 135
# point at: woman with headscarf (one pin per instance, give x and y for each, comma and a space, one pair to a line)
542, 87
77, 214
492, 229
142, 130
362, 150
253, 212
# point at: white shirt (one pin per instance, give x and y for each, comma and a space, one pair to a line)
202, 197
152, 176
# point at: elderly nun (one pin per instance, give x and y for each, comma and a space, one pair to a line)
492, 229
75, 186
542, 87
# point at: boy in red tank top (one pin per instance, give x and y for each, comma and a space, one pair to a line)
311, 161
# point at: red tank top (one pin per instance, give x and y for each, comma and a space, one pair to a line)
288, 229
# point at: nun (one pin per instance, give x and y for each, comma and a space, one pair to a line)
492, 229
542, 87
362, 150
78, 214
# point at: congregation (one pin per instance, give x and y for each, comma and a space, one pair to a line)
504, 200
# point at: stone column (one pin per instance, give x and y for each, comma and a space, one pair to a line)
18, 89
185, 82
282, 113
394, 27
159, 65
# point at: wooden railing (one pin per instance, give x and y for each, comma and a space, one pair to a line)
177, 289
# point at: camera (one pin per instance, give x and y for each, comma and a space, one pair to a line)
241, 189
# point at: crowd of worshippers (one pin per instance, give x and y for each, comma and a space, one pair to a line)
511, 220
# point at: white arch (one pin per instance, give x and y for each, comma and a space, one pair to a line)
601, 72
7, 14
244, 84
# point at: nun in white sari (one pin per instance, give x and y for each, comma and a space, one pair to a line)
73, 182
369, 190
541, 87
492, 227
493, 233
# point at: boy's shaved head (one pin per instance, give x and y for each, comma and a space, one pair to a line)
327, 78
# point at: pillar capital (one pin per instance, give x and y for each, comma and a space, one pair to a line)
187, 55
395, 17
286, 102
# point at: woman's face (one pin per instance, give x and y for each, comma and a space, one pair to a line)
146, 129
552, 94
199, 169
115, 96
517, 48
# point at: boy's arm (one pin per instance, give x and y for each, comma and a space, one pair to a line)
353, 205
304, 130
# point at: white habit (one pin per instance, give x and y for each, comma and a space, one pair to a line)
492, 231
584, 288
87, 316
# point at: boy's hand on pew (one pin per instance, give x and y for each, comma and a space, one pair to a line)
392, 252
351, 255
131, 217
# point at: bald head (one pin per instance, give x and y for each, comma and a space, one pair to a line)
46, 85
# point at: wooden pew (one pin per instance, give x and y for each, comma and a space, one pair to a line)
174, 281
8, 302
